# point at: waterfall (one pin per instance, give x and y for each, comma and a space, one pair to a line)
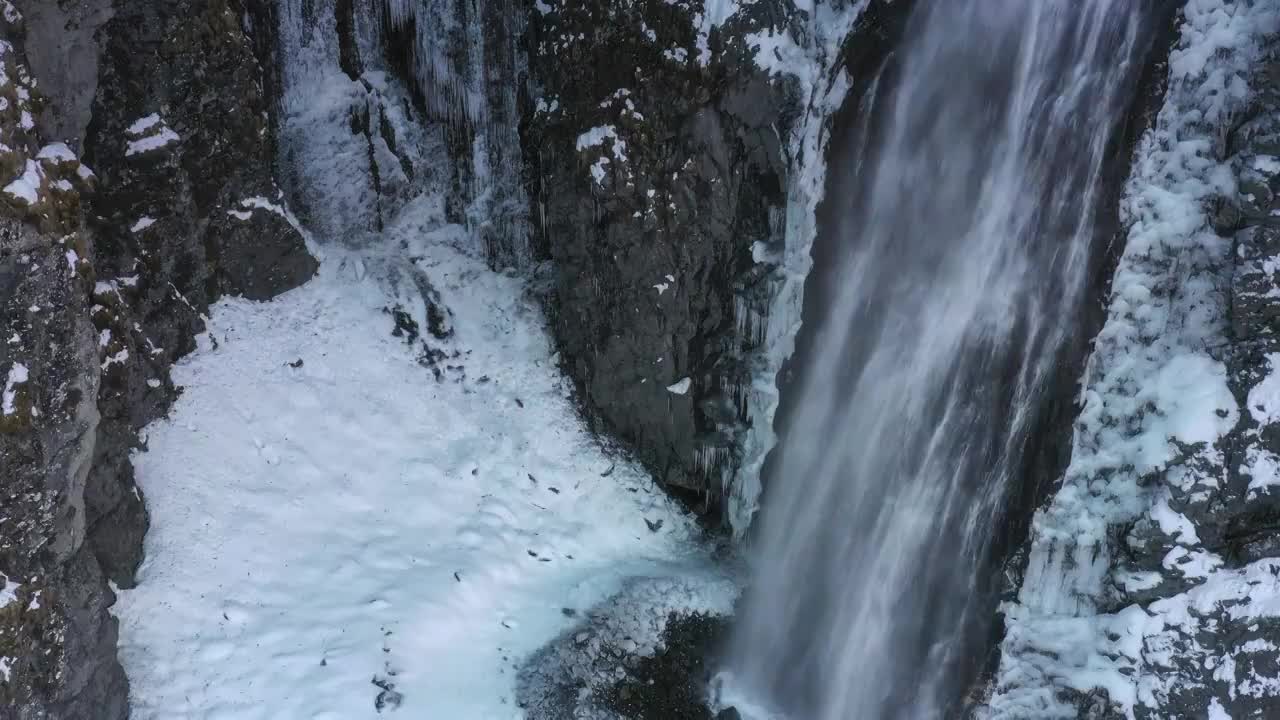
966, 239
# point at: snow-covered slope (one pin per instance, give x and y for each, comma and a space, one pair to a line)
334, 528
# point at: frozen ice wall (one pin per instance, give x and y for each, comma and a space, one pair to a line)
377, 92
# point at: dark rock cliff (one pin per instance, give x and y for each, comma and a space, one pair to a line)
57, 641
655, 164
104, 279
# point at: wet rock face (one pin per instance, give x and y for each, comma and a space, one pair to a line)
673, 682
103, 278
654, 161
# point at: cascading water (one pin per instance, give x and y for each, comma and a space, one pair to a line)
965, 250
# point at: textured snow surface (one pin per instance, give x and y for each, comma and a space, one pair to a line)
323, 532
1152, 382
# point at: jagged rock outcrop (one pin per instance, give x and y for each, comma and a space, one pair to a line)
1210, 550
103, 279
657, 167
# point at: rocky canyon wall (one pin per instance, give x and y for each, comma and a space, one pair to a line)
107, 273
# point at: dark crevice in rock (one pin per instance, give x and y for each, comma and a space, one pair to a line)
388, 134
375, 175
1252, 535
348, 51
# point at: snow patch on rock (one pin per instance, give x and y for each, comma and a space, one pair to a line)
56, 152
18, 375
143, 124
151, 142
149, 133
26, 187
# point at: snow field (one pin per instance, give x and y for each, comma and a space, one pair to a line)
347, 531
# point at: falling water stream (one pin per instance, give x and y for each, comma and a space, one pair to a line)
965, 249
